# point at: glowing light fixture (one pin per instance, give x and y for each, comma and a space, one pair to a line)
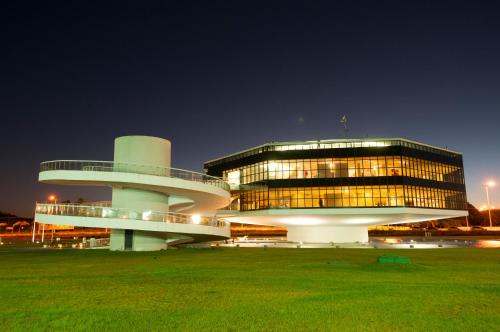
146, 215
301, 221
488, 185
196, 219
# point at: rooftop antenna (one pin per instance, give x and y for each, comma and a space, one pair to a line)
343, 121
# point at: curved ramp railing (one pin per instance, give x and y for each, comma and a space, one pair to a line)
110, 166
96, 211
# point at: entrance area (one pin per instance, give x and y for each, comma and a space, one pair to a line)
129, 239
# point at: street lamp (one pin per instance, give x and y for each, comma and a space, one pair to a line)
51, 198
487, 186
34, 229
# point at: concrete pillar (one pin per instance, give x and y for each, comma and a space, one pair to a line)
117, 239
141, 154
326, 234
140, 200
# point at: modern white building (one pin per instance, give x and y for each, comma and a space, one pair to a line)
322, 191
152, 203
333, 190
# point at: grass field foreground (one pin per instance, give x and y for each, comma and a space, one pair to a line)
250, 289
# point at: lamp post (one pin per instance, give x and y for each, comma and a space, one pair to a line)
487, 186
34, 229
43, 232
51, 198
54, 199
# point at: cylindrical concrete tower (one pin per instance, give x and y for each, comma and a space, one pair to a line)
142, 150
142, 154
147, 197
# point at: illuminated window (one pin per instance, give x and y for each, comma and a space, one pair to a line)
233, 177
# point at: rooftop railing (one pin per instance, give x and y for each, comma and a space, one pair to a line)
96, 211
333, 144
110, 166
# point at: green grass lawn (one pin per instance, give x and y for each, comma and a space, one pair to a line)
250, 289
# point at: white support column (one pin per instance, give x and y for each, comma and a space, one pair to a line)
43, 232
148, 154
34, 229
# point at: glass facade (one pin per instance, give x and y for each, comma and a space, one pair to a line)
344, 174
344, 167
350, 196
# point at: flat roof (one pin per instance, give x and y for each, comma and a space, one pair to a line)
329, 141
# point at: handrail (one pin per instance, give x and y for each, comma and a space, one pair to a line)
111, 166
95, 211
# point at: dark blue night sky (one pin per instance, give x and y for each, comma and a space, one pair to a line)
218, 77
